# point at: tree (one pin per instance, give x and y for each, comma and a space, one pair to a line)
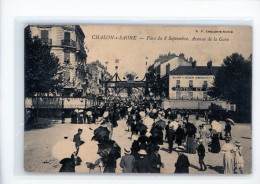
130, 77
41, 66
233, 82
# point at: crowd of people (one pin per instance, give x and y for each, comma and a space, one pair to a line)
150, 126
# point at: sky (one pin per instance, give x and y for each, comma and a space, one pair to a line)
193, 41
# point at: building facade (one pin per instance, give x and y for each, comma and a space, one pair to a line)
191, 82
67, 43
96, 75
158, 72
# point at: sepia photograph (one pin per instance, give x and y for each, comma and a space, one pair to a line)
138, 99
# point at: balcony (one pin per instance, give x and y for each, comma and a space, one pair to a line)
46, 42
80, 49
68, 43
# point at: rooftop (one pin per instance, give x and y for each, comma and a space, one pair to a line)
197, 70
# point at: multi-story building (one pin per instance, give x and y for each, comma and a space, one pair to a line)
191, 82
96, 75
158, 72
67, 43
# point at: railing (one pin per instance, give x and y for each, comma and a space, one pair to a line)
80, 48
196, 104
46, 41
177, 88
60, 102
69, 43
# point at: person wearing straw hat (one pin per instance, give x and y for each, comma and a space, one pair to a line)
142, 162
228, 157
128, 162
201, 154
182, 165
239, 161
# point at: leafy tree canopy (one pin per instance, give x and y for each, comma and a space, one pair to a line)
233, 82
41, 66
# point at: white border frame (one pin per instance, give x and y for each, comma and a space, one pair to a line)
14, 14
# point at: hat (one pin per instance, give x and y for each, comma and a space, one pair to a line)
142, 114
142, 152
127, 150
237, 143
228, 138
180, 149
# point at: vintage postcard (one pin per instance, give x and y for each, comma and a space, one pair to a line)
138, 99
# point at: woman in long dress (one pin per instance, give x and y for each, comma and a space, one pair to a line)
215, 144
239, 161
228, 158
190, 143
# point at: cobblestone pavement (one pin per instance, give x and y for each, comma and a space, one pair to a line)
39, 143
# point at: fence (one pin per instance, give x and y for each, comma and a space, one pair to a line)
196, 104
60, 102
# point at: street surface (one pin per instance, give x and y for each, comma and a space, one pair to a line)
40, 141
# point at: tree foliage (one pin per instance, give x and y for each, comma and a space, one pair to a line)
41, 66
233, 82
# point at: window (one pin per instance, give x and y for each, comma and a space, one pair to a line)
178, 95
191, 83
66, 57
66, 38
205, 95
66, 35
44, 36
190, 95
66, 76
205, 84
178, 83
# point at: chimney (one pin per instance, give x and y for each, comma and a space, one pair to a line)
194, 63
209, 64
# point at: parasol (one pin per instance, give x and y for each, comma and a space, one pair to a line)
216, 126
160, 123
63, 149
155, 132
109, 148
141, 127
148, 122
101, 134
230, 121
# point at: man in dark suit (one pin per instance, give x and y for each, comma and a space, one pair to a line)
201, 154
77, 140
